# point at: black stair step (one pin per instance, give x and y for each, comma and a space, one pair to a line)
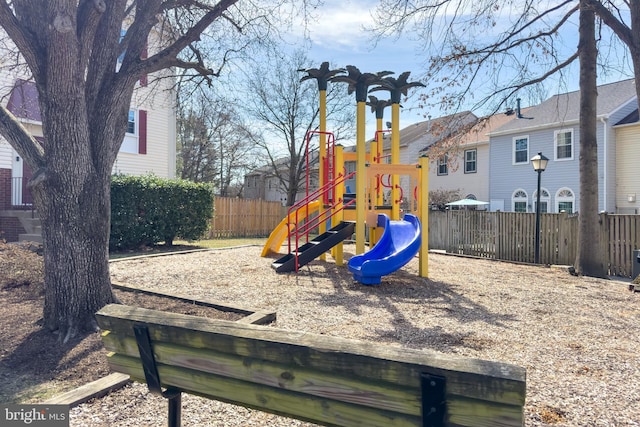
316, 247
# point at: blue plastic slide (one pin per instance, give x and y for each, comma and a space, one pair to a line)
398, 244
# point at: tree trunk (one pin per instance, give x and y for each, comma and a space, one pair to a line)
72, 194
75, 236
590, 257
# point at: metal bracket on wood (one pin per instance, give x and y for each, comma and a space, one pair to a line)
153, 377
434, 402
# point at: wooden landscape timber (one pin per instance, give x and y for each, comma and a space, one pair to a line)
326, 380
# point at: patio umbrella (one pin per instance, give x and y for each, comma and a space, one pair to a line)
467, 202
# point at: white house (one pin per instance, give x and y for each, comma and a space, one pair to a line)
149, 145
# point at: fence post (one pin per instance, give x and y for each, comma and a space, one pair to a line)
604, 240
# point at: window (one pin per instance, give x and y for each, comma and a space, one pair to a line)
565, 200
470, 161
564, 144
521, 150
443, 168
143, 79
121, 56
519, 201
131, 123
350, 167
545, 197
135, 139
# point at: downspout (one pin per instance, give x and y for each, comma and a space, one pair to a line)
604, 131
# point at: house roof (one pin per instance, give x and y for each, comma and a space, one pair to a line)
427, 132
438, 129
23, 101
479, 132
282, 163
565, 108
629, 119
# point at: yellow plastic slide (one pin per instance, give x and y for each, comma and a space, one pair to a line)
277, 236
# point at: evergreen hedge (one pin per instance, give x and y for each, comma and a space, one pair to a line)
147, 210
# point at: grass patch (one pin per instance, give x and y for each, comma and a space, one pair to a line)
183, 245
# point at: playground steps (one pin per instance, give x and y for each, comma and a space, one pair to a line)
314, 248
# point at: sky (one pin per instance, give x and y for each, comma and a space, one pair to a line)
338, 36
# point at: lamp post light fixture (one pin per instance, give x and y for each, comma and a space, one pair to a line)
539, 163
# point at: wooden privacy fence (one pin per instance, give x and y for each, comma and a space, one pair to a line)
511, 236
235, 217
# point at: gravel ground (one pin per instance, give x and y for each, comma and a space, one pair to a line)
577, 337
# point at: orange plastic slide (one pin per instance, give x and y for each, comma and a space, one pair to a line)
277, 236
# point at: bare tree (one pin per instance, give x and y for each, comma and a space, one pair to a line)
590, 256
625, 27
524, 54
441, 197
214, 143
196, 151
288, 108
85, 74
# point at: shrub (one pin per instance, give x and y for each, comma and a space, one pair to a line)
147, 210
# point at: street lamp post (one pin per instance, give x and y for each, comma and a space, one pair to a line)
539, 163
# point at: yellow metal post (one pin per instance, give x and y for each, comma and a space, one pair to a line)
360, 176
322, 152
423, 209
373, 192
337, 250
395, 160
377, 153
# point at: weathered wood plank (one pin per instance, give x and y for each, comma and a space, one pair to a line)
473, 378
89, 391
330, 410
186, 298
361, 391
280, 401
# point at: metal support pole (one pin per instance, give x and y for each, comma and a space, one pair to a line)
537, 248
434, 400
152, 376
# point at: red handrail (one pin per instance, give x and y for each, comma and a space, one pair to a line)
327, 212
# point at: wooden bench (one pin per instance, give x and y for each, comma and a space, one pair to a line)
324, 380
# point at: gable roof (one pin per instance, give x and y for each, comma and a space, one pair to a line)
565, 108
427, 132
631, 118
23, 101
479, 132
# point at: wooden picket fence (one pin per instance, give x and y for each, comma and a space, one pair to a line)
511, 236
235, 217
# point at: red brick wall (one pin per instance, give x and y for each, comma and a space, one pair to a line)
5, 189
10, 228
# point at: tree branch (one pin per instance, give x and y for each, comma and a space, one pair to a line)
166, 57
27, 147
624, 32
18, 32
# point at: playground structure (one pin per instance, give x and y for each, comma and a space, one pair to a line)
394, 241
